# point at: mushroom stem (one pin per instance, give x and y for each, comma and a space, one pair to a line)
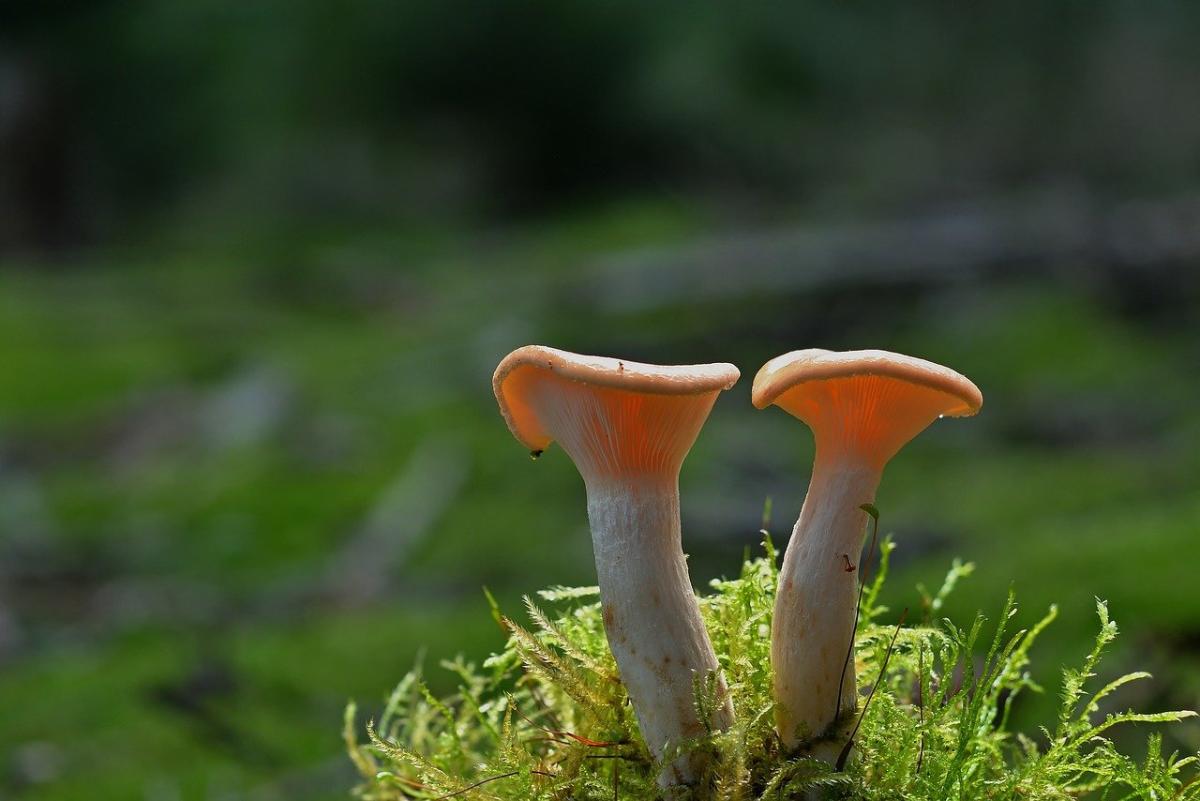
812, 629
651, 617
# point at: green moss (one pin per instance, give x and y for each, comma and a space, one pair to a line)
547, 717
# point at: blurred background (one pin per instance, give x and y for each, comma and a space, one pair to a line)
258, 261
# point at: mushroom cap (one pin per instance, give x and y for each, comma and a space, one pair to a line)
616, 409
873, 401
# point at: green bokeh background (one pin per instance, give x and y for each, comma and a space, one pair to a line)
258, 261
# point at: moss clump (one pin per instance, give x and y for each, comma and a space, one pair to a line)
547, 717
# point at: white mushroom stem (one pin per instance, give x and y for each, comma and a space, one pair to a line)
650, 613
813, 626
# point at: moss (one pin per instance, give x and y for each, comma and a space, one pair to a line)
547, 716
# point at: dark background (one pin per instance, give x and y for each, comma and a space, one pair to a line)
258, 261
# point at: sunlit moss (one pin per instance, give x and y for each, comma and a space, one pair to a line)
547, 717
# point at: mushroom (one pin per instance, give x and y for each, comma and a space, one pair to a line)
627, 427
862, 407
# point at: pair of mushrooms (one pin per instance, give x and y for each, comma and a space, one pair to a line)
628, 426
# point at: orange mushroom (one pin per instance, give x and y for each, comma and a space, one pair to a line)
628, 426
862, 407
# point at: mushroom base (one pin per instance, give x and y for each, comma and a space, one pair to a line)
651, 617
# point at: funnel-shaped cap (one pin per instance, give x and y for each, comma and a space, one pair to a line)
867, 403
612, 417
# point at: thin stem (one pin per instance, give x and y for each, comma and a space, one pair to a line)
862, 586
561, 732
489, 779
921, 703
479, 783
887, 657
